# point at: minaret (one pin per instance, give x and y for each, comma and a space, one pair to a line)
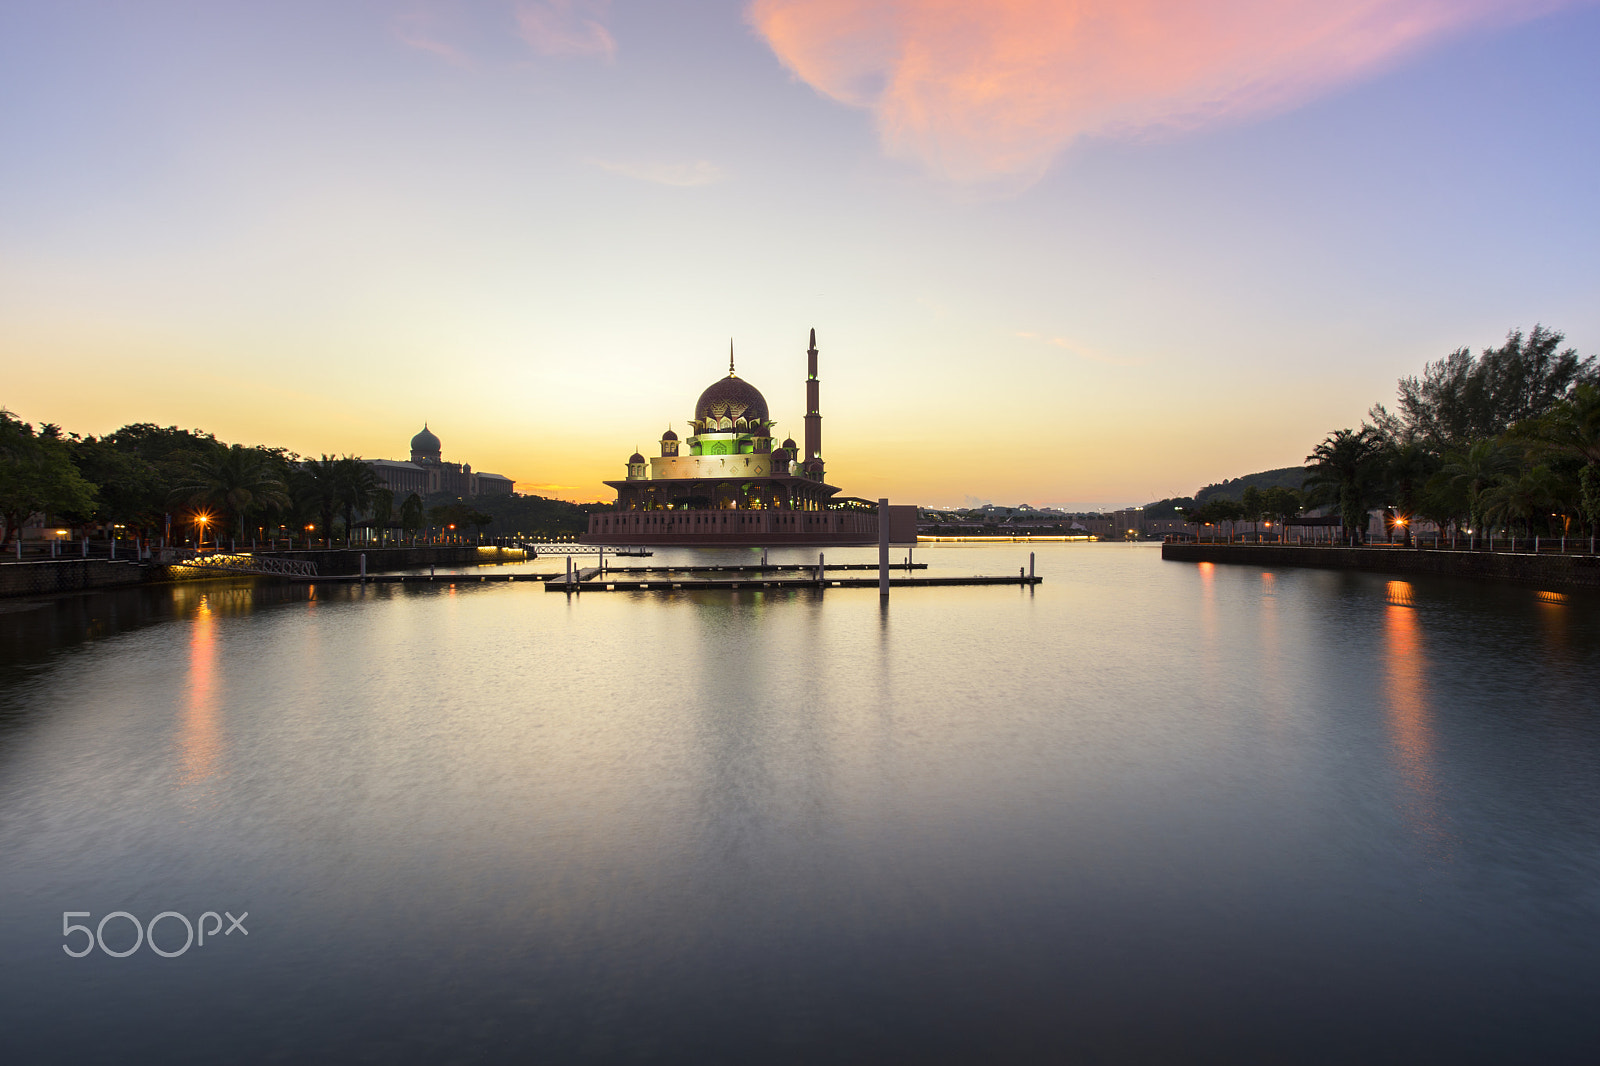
813, 414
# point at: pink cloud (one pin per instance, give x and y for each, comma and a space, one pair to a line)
566, 27
415, 30
979, 91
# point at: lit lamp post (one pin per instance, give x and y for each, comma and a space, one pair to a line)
200, 521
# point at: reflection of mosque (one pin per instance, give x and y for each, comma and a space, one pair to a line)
728, 483
427, 473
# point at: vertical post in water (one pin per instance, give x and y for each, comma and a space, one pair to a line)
363, 566
819, 562
883, 547
1030, 564
113, 544
569, 573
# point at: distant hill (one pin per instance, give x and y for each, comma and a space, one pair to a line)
1288, 477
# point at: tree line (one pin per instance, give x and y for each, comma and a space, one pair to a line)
1507, 440
138, 476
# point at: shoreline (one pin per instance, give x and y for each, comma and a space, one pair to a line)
1549, 570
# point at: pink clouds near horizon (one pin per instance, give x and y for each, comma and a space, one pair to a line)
996, 90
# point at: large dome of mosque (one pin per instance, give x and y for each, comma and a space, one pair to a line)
733, 398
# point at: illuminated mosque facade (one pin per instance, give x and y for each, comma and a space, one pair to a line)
731, 482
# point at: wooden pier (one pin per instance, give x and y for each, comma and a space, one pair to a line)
689, 584
679, 579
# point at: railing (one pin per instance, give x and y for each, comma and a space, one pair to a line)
237, 564
1535, 545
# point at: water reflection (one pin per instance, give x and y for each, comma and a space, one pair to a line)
1410, 717
494, 823
1269, 661
200, 735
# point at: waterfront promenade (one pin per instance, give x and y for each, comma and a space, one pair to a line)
1553, 570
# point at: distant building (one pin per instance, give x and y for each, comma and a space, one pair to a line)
1129, 520
427, 473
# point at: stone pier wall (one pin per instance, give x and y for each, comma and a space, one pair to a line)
47, 576
1551, 571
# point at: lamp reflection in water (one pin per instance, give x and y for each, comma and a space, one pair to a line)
1410, 720
1553, 620
1275, 694
1211, 673
200, 734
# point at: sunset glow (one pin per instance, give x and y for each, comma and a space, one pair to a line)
1075, 253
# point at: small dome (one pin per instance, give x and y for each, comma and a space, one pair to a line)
788, 442
669, 435
425, 441
814, 466
779, 455
635, 458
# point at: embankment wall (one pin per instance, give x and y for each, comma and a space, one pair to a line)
47, 577
1549, 571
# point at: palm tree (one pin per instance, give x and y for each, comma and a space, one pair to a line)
322, 488
356, 483
1474, 471
1572, 428
1522, 497
382, 512
411, 513
1406, 469
234, 479
1343, 470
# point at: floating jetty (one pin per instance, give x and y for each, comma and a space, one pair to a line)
689, 584
756, 568
425, 579
724, 577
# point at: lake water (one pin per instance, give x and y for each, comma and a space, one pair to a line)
1146, 811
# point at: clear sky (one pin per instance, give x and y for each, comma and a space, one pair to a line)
1086, 252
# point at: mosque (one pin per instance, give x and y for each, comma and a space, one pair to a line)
729, 484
